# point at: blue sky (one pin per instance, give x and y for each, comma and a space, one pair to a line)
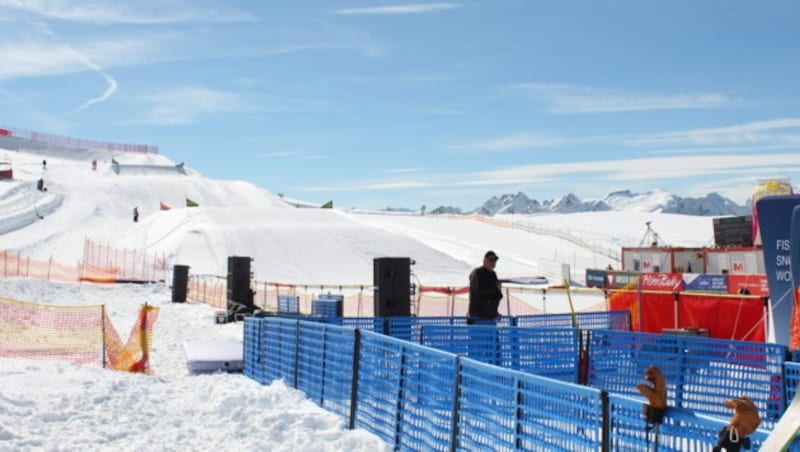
380, 103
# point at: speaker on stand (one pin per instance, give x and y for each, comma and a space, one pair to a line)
180, 283
240, 296
392, 281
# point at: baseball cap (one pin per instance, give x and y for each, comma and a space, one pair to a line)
490, 255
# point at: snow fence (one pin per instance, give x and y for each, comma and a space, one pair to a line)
417, 397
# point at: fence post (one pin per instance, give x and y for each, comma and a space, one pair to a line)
398, 415
456, 405
517, 413
297, 353
103, 329
606, 428
351, 424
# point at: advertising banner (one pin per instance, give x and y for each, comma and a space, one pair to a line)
774, 223
753, 284
619, 280
701, 282
671, 282
794, 235
595, 278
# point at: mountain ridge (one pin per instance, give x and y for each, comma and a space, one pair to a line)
659, 200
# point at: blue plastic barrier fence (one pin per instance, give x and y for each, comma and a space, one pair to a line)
682, 430
550, 352
325, 356
327, 305
278, 345
701, 373
792, 374
409, 328
609, 320
501, 409
405, 393
252, 330
288, 304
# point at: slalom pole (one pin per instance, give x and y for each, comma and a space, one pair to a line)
571, 306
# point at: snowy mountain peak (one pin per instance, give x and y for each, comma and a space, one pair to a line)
658, 200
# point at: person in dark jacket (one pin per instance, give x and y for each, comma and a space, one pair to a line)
484, 291
135, 214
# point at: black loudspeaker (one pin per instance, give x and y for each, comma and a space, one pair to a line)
180, 283
240, 296
392, 281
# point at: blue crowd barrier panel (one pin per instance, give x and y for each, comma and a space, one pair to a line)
503, 409
608, 320
288, 304
325, 365
681, 430
327, 305
792, 374
701, 373
278, 344
409, 328
405, 393
251, 349
796, 356
550, 352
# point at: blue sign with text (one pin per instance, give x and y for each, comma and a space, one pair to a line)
705, 283
774, 222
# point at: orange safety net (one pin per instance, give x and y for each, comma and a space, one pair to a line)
38, 331
794, 326
134, 355
78, 334
126, 264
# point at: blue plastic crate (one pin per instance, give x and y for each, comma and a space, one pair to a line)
288, 304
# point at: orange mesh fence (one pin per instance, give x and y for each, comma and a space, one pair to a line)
134, 355
36, 331
128, 265
78, 334
359, 300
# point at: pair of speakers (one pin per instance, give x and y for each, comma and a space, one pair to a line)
392, 281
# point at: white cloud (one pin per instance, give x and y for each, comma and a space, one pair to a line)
138, 12
414, 8
400, 170
649, 170
564, 98
36, 58
741, 134
511, 143
187, 104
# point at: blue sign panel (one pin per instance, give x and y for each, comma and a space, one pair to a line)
705, 283
774, 222
595, 278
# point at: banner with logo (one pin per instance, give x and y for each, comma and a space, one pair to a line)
774, 223
794, 340
595, 278
619, 280
749, 284
701, 282
671, 282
